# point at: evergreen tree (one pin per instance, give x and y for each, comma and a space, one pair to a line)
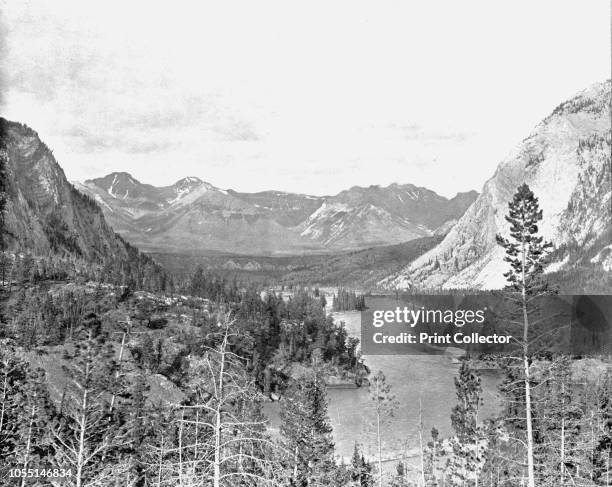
399, 480
430, 465
6, 265
525, 252
135, 413
600, 414
360, 469
306, 432
347, 300
13, 382
466, 459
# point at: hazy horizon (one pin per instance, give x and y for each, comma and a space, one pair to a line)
170, 183
307, 98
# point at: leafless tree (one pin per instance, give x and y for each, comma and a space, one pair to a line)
221, 434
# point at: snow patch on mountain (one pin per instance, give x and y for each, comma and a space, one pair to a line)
312, 227
604, 257
556, 266
195, 214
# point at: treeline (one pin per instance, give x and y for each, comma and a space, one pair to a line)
278, 331
104, 430
345, 300
285, 329
139, 272
213, 286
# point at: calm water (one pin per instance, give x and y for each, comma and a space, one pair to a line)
429, 378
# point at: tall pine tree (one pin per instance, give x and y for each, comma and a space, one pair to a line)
525, 252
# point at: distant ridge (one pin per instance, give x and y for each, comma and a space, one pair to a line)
193, 215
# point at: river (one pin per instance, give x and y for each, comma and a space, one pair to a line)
413, 378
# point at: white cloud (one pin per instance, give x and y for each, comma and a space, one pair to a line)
303, 96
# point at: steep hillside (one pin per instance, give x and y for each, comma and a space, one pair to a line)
566, 162
358, 269
46, 215
44, 212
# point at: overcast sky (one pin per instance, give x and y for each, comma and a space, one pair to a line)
306, 96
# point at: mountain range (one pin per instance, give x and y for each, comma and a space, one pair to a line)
193, 215
566, 162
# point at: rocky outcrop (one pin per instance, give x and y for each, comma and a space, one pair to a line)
566, 162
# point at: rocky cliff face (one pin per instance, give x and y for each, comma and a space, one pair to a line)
45, 214
566, 162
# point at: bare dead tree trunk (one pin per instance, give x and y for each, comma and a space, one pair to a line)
80, 458
4, 394
592, 443
379, 441
86, 437
224, 455
528, 418
384, 406
180, 447
421, 442
477, 445
118, 371
563, 435
295, 462
161, 461
28, 447
216, 461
